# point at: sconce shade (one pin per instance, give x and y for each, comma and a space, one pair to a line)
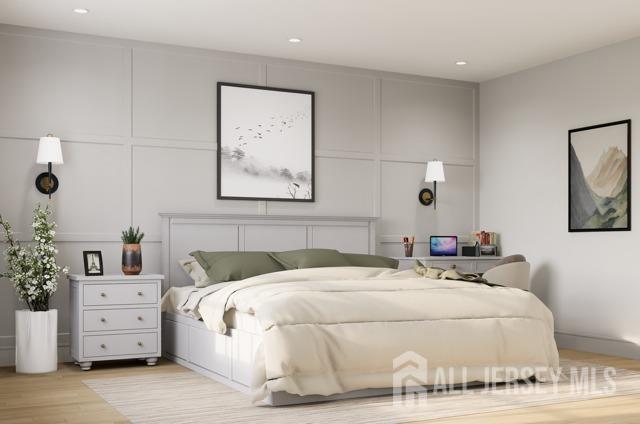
435, 171
49, 150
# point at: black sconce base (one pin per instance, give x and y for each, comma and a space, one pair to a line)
46, 185
426, 196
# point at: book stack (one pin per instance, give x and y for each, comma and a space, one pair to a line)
488, 242
486, 237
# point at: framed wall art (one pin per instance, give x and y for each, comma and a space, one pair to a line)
265, 143
600, 177
92, 262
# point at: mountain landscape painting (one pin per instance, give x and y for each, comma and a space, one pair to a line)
599, 177
265, 143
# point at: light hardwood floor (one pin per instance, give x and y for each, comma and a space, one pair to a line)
61, 397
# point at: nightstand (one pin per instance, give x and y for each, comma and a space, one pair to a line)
115, 317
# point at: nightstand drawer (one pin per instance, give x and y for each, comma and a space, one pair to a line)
120, 319
120, 294
120, 344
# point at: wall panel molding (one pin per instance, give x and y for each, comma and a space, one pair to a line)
424, 159
58, 70
156, 151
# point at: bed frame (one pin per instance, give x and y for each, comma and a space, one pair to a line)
229, 358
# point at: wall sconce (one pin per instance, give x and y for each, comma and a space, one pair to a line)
435, 174
49, 152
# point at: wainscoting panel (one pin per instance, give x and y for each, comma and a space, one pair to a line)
345, 239
402, 214
138, 127
174, 179
91, 194
62, 86
428, 120
18, 171
345, 115
260, 237
344, 187
174, 95
94, 195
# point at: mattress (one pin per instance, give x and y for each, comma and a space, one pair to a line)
326, 331
176, 297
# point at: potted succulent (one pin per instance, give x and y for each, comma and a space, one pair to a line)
131, 251
34, 273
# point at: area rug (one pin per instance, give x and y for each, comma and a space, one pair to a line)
188, 397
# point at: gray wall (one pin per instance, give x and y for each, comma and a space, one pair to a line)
138, 126
586, 278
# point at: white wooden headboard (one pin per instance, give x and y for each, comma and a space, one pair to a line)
185, 232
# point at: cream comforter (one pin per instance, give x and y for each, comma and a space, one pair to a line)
333, 330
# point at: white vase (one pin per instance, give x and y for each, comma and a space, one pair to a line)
36, 341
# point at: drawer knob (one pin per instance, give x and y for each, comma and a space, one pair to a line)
139, 318
140, 344
139, 293
103, 294
103, 320
103, 346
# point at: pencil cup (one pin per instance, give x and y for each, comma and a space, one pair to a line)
408, 250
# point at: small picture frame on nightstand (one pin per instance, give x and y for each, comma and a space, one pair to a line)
92, 262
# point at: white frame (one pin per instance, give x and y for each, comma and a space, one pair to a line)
228, 358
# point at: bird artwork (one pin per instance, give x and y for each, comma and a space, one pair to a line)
256, 161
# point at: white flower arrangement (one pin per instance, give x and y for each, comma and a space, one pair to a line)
33, 269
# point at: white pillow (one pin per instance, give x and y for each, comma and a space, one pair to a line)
193, 269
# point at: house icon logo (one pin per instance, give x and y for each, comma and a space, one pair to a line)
410, 377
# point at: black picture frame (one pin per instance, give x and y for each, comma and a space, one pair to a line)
219, 143
85, 257
573, 229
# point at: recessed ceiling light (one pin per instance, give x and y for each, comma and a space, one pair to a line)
295, 40
461, 62
81, 11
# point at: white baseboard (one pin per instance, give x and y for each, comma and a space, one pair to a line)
601, 345
8, 350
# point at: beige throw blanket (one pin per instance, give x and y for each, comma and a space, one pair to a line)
333, 330
450, 274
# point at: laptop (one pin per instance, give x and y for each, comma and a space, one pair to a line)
443, 246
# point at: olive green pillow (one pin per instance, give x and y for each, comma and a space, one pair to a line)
310, 258
373, 261
233, 266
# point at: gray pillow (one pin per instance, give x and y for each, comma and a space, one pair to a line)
373, 261
233, 266
310, 258
511, 259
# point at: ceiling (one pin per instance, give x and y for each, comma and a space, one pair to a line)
424, 37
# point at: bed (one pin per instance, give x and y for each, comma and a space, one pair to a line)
320, 334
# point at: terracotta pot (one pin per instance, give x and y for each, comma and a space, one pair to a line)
131, 259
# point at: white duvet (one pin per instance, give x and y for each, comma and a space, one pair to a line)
334, 330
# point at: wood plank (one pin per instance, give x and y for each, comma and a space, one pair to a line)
61, 397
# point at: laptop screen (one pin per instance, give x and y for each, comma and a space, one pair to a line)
443, 246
